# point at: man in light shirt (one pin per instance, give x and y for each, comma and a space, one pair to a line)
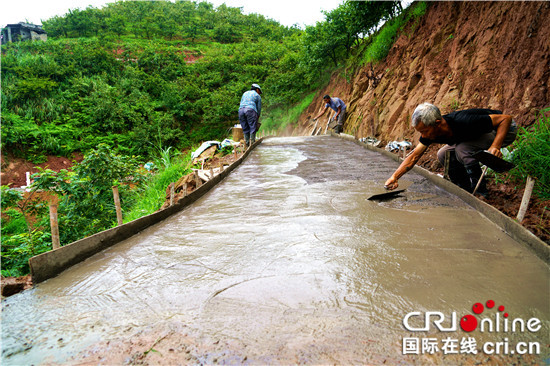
250, 110
337, 105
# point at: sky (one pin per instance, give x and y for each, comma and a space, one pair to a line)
286, 12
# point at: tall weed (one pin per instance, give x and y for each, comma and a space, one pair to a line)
152, 194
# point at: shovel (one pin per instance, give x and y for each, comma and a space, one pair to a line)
384, 193
489, 160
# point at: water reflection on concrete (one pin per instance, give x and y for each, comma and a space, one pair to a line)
287, 257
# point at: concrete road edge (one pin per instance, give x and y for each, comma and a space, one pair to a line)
50, 264
505, 223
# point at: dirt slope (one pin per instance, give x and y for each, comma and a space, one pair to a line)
459, 55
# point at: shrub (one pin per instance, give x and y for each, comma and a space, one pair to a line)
531, 154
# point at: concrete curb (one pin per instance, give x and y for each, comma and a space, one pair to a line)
50, 264
507, 224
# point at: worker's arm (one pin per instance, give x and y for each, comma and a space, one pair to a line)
405, 166
338, 113
501, 122
320, 114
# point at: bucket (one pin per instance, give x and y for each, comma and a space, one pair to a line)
238, 133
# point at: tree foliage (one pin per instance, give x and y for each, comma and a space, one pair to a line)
344, 28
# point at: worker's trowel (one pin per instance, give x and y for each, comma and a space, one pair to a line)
384, 193
497, 164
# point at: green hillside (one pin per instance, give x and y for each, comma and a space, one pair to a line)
136, 74
140, 81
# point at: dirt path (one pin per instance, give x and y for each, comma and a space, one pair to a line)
285, 262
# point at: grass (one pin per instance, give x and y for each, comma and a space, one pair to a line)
531, 154
381, 42
278, 119
153, 195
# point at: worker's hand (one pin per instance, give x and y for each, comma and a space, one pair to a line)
391, 184
495, 151
315, 119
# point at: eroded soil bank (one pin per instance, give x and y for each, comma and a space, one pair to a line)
285, 262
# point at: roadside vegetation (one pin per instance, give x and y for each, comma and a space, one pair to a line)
531, 154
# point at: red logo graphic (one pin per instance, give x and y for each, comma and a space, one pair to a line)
468, 323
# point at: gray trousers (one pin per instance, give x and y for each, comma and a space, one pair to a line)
338, 122
464, 150
342, 117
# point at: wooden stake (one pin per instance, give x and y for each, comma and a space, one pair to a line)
117, 206
172, 193
526, 198
185, 190
483, 172
197, 180
314, 128
54, 226
211, 173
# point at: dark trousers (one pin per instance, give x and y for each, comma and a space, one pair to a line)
465, 150
249, 120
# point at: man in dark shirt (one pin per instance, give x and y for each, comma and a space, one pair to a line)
464, 133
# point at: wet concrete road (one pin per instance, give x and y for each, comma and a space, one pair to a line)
285, 262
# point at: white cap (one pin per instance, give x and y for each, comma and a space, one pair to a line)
256, 86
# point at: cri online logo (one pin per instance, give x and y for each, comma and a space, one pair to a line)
469, 323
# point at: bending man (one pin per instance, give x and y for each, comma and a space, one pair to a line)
337, 105
250, 110
464, 133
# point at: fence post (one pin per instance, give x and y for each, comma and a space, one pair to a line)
526, 198
54, 226
117, 205
446, 165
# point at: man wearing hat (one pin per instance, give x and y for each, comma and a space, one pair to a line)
249, 113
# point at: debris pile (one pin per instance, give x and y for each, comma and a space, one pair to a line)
398, 146
212, 159
370, 141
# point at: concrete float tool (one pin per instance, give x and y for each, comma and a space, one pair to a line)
489, 160
384, 193
497, 164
